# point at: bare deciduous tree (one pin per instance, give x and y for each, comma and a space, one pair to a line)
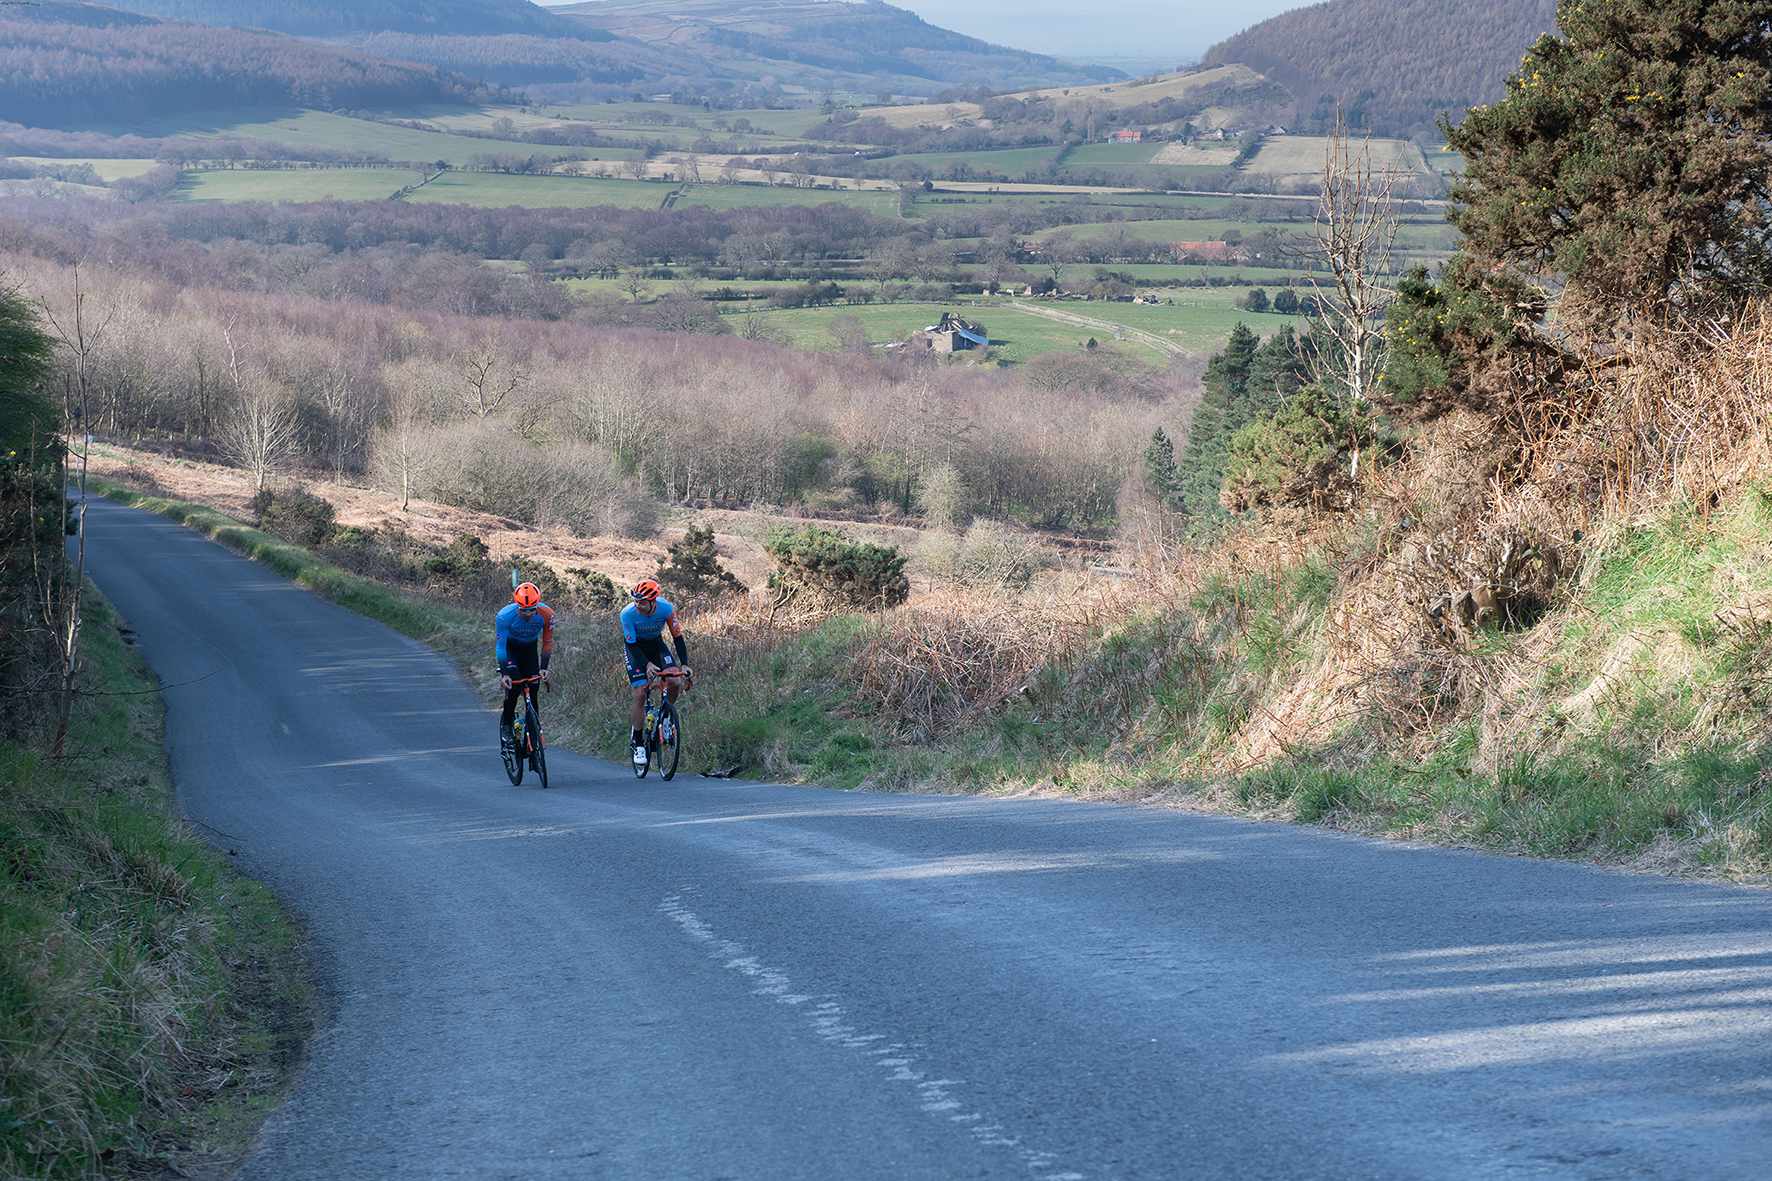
491, 380
1356, 231
260, 430
59, 589
401, 452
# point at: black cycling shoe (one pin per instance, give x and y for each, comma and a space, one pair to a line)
507, 742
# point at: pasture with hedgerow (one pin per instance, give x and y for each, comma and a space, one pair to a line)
1347, 426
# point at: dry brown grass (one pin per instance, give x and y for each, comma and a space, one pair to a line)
930, 665
1488, 521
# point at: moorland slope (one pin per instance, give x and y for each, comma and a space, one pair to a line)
1396, 65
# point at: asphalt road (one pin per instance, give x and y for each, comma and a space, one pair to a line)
735, 980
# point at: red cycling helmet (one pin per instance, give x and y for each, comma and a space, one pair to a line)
645, 591
526, 596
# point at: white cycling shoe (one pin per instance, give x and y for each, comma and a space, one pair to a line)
639, 756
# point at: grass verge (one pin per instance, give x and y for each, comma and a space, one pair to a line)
1669, 770
153, 1002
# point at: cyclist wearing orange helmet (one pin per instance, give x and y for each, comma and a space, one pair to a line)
643, 625
525, 631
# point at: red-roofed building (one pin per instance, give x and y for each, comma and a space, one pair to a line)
1128, 135
1208, 252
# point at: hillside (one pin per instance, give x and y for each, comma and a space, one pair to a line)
1162, 97
1396, 65
744, 51
865, 46
76, 66
339, 18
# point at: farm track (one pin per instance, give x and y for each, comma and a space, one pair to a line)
1118, 331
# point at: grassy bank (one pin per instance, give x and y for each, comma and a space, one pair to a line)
152, 1001
1626, 726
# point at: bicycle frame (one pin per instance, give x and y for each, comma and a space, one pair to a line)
528, 685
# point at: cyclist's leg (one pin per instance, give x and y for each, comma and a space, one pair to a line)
527, 658
665, 658
637, 691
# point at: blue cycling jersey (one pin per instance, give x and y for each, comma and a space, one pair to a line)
513, 627
637, 626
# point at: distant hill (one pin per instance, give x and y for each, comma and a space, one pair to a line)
1396, 65
344, 18
861, 46
761, 50
79, 66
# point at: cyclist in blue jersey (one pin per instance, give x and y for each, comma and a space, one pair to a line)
524, 643
644, 623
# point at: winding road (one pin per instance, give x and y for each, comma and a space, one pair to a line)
735, 980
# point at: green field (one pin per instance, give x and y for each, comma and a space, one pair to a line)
1187, 229
312, 130
1427, 235
1163, 274
497, 190
1299, 155
881, 202
108, 170
1015, 335
639, 116
1446, 162
295, 184
1111, 155
1248, 208
1009, 162
1200, 320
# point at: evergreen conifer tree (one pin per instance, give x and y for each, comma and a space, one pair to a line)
1160, 473
1221, 414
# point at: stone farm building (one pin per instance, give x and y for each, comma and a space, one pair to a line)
952, 334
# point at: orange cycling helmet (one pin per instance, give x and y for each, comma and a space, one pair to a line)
526, 596
645, 592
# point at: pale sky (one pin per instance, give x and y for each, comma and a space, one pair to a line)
1147, 30
1130, 28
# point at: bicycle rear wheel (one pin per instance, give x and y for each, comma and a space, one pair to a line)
670, 744
538, 755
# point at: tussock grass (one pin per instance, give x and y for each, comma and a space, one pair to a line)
152, 1001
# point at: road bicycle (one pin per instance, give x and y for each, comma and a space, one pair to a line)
663, 732
527, 744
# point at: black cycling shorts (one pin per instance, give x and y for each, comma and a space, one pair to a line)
527, 658
645, 652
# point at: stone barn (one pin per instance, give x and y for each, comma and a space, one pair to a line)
953, 334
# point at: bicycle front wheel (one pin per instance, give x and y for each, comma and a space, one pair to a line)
538, 755
513, 758
670, 742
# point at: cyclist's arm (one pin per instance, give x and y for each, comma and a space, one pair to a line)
501, 649
547, 634
678, 642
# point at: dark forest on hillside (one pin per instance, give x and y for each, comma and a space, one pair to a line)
55, 73
1395, 65
332, 18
